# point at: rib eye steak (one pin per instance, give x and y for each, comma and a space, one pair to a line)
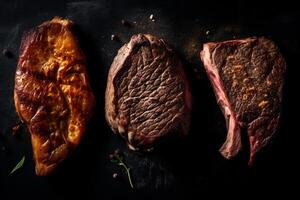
147, 96
247, 76
52, 92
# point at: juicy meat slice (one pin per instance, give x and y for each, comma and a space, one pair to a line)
247, 76
52, 92
147, 96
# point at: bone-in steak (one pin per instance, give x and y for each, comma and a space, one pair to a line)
52, 93
147, 95
247, 76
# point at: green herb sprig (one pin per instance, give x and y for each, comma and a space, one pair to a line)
19, 165
117, 158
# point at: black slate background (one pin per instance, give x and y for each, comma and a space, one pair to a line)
191, 167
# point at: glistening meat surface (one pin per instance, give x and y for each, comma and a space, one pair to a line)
52, 92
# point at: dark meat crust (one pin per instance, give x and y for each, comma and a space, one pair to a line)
147, 95
52, 92
251, 73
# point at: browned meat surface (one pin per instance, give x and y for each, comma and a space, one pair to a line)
52, 92
147, 95
247, 76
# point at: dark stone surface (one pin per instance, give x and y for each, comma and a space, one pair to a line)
180, 169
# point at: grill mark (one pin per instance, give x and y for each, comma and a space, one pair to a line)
36, 74
42, 77
33, 84
24, 99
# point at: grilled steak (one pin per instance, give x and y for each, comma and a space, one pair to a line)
247, 77
147, 95
52, 93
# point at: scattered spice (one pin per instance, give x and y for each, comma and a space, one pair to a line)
115, 175
19, 165
152, 18
16, 129
117, 158
263, 104
7, 53
125, 23
113, 37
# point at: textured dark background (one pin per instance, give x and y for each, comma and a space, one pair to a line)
178, 169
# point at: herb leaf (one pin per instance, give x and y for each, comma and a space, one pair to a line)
18, 166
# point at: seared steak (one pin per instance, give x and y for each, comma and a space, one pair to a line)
52, 93
147, 95
247, 76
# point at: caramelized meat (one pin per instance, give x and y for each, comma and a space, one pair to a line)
52, 93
